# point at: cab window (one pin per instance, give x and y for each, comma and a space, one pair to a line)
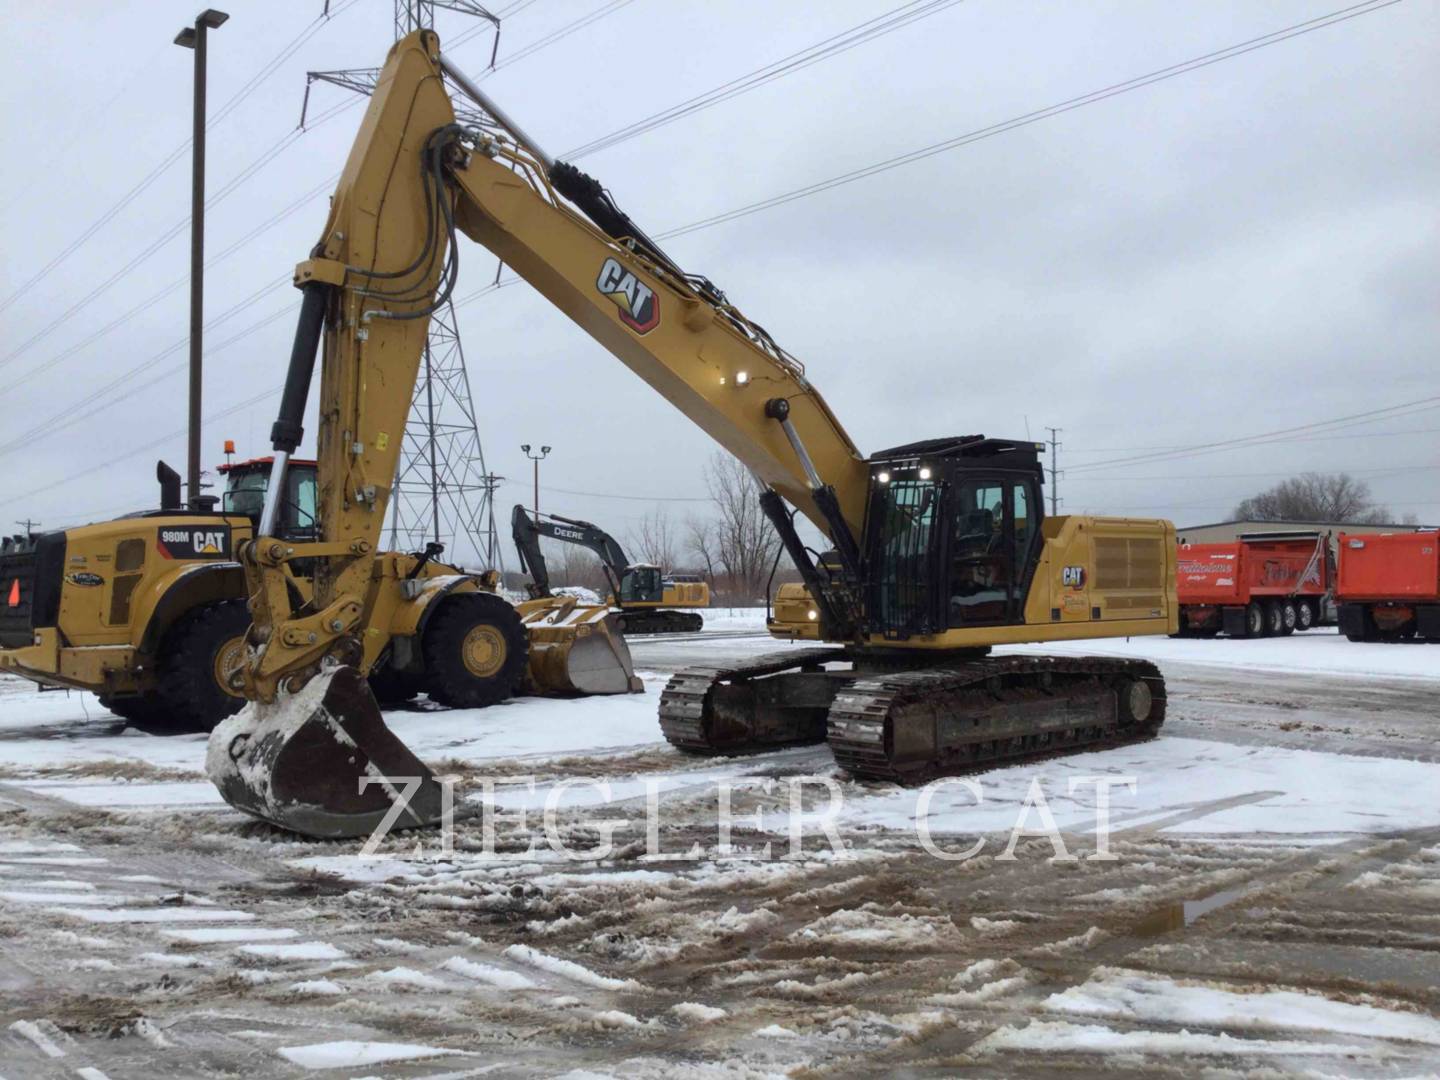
980, 561
640, 584
299, 510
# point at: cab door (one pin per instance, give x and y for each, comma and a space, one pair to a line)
994, 531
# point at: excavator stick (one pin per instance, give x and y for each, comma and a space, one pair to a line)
321, 762
577, 648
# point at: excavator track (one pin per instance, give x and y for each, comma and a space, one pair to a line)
694, 717
643, 621
912, 726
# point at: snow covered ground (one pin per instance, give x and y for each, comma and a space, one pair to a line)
1271, 902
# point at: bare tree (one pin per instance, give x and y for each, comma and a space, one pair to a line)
738, 541
574, 566
654, 540
700, 544
1315, 497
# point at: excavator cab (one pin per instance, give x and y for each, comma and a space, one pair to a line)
642, 583
954, 527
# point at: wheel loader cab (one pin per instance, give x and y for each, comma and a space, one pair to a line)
245, 486
954, 532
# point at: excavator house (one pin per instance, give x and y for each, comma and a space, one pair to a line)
940, 548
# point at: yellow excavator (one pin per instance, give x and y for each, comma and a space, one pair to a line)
940, 546
646, 596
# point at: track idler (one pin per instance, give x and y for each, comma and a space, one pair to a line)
321, 762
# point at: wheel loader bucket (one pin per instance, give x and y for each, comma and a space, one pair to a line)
577, 649
321, 762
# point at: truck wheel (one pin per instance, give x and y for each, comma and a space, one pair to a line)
1274, 619
1289, 618
476, 651
198, 656
1367, 631
1254, 619
1304, 614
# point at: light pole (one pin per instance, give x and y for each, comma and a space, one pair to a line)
194, 38
536, 458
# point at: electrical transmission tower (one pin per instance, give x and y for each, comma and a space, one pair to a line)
1055, 473
443, 491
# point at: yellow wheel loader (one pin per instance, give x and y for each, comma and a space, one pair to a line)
149, 612
941, 546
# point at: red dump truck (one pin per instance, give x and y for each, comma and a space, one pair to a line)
1259, 585
1388, 587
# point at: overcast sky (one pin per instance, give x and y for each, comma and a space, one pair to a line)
1247, 248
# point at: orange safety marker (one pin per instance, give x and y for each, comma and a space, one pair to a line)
15, 593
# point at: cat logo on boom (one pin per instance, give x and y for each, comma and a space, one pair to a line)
638, 304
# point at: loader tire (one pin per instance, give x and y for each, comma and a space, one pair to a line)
143, 711
392, 687
476, 650
197, 656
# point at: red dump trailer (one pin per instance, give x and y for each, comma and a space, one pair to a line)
1259, 585
1388, 587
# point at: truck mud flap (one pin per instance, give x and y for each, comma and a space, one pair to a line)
1352, 621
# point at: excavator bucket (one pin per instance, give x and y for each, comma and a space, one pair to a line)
321, 762
577, 648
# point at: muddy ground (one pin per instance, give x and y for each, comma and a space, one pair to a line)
195, 943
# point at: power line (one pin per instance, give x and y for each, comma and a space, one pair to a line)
175, 155
835, 45
70, 418
559, 34
270, 154
1114, 90
1408, 408
1184, 67
628, 498
1389, 470
1297, 438
179, 433
863, 32
155, 298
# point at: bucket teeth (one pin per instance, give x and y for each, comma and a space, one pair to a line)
321, 762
